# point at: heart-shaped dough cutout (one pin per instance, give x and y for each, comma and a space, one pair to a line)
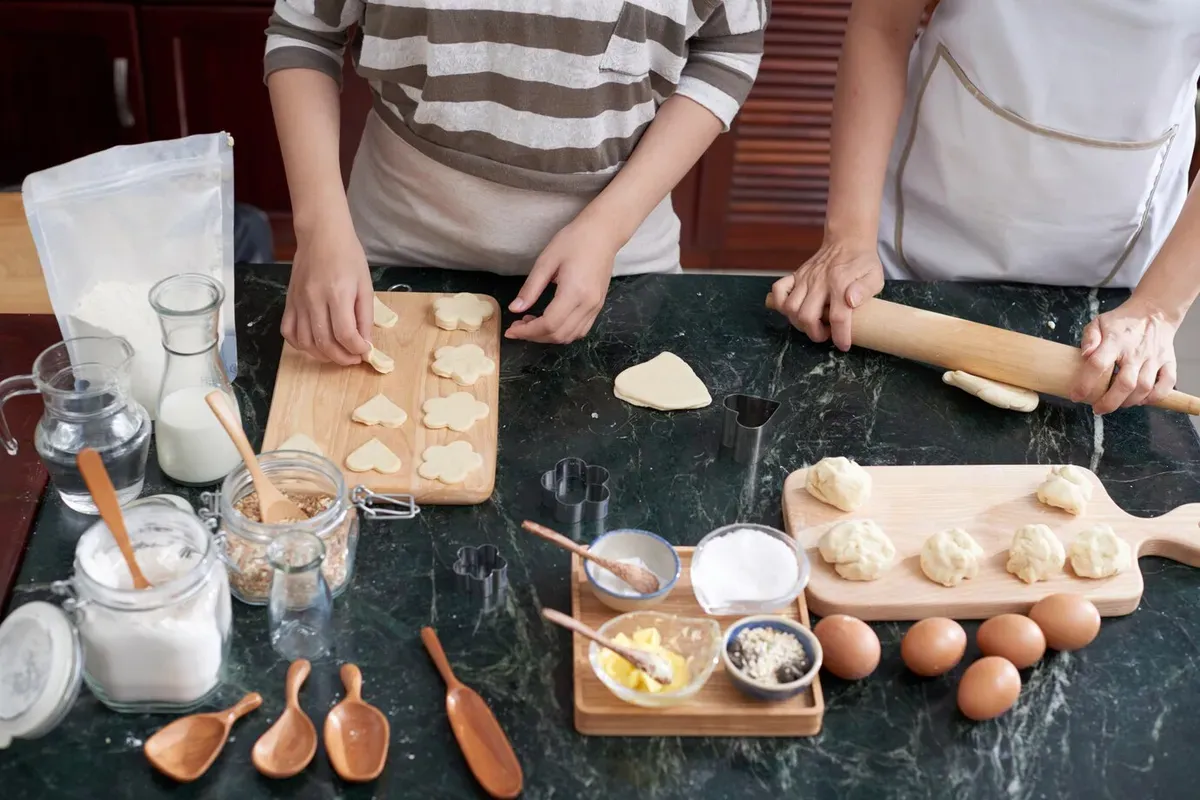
380, 411
381, 361
299, 441
664, 383
384, 317
374, 455
450, 463
464, 363
458, 412
462, 312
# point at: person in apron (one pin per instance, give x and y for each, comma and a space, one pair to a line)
532, 137
1018, 140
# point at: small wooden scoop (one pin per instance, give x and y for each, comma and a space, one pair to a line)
105, 497
290, 744
653, 665
643, 581
487, 750
185, 749
356, 733
273, 506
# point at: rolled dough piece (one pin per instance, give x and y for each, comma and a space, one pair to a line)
1035, 554
464, 364
450, 463
374, 455
381, 361
299, 441
384, 316
1099, 553
1001, 395
664, 383
380, 411
458, 412
461, 312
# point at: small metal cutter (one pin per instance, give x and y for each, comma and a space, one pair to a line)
483, 573
576, 490
747, 425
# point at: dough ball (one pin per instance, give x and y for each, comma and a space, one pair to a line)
859, 550
1001, 395
840, 482
1099, 553
1067, 487
950, 557
1035, 553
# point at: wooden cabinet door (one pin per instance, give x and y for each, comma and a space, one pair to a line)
70, 83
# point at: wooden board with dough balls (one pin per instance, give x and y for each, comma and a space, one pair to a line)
318, 401
990, 502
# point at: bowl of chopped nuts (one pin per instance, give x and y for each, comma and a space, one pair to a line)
770, 657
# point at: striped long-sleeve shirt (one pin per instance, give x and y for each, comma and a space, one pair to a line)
536, 94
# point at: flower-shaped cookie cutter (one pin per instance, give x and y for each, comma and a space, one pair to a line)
576, 490
747, 425
482, 572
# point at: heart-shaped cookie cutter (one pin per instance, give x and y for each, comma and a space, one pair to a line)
747, 426
482, 572
576, 490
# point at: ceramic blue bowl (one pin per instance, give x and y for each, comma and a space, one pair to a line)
654, 551
764, 691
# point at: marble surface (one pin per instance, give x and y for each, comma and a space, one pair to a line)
1119, 719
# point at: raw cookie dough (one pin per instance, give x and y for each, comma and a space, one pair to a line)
1099, 553
461, 312
664, 383
1068, 488
1001, 395
384, 316
381, 361
840, 482
380, 411
464, 363
374, 455
458, 412
449, 463
299, 441
949, 557
1035, 553
859, 550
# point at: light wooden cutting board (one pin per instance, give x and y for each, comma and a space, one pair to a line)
318, 399
990, 503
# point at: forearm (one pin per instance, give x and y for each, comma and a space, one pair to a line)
1173, 279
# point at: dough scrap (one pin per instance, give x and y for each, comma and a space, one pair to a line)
374, 455
1067, 487
381, 361
664, 383
949, 557
1035, 553
840, 482
464, 363
858, 549
458, 412
299, 441
461, 312
449, 463
1001, 395
380, 411
384, 317
1099, 553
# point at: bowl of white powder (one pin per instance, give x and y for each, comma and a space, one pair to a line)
744, 569
642, 549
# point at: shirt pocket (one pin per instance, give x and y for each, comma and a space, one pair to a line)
642, 42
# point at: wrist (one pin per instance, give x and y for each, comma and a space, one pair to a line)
852, 235
610, 225
1155, 305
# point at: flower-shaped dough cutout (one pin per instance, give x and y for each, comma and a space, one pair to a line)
450, 463
458, 412
461, 312
464, 363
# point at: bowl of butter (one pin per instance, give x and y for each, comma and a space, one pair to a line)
691, 645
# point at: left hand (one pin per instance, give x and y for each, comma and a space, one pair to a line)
1139, 339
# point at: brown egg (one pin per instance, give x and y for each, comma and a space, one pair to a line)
933, 646
1014, 637
850, 648
1068, 620
988, 688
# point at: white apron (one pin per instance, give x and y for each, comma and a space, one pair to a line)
1042, 141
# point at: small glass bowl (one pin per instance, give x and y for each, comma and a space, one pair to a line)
750, 607
698, 640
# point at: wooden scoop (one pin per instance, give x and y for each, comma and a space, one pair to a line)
290, 744
356, 733
273, 506
487, 750
105, 496
185, 749
642, 580
652, 664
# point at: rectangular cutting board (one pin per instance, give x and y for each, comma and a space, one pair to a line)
990, 503
718, 709
318, 399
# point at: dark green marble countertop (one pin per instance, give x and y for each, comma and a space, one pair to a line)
1119, 719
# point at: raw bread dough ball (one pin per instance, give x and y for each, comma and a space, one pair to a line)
858, 549
1001, 395
839, 482
1035, 553
949, 557
1099, 553
1068, 488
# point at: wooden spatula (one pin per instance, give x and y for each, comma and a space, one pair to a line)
642, 580
105, 497
653, 665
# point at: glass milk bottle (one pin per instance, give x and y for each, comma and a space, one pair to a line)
193, 448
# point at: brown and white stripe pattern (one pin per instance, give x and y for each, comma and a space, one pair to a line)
538, 94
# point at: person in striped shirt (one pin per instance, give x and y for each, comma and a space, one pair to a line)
538, 137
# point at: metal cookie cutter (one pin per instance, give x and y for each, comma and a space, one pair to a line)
384, 506
747, 425
483, 573
576, 490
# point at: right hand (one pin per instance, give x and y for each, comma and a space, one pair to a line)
839, 277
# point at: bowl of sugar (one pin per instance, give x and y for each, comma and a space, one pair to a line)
643, 549
746, 569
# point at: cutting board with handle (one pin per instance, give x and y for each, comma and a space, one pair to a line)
990, 503
318, 400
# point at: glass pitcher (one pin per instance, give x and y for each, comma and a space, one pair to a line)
84, 384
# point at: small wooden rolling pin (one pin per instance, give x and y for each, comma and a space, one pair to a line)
953, 343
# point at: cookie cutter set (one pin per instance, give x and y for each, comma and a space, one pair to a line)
482, 573
577, 491
747, 425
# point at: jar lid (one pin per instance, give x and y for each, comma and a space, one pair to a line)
41, 671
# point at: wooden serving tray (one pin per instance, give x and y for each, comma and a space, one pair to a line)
317, 399
719, 709
990, 503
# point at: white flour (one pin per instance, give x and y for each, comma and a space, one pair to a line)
744, 566
612, 583
122, 308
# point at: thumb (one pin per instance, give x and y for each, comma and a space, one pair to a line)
1091, 339
539, 278
863, 288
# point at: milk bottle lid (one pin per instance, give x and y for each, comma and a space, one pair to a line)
41, 671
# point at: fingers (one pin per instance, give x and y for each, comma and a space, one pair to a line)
537, 281
811, 312
364, 311
1163, 385
1146, 379
344, 322
554, 326
864, 288
1091, 338
780, 291
1091, 381
1123, 385
792, 304
840, 313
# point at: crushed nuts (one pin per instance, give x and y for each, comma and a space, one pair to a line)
769, 656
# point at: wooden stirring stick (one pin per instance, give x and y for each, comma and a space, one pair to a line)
642, 580
653, 665
105, 497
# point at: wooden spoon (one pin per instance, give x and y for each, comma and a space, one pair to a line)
273, 506
642, 580
290, 744
652, 664
105, 497
185, 749
483, 743
356, 733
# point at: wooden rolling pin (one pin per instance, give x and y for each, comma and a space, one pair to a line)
952, 343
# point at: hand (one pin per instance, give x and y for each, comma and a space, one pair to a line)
1139, 339
838, 278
